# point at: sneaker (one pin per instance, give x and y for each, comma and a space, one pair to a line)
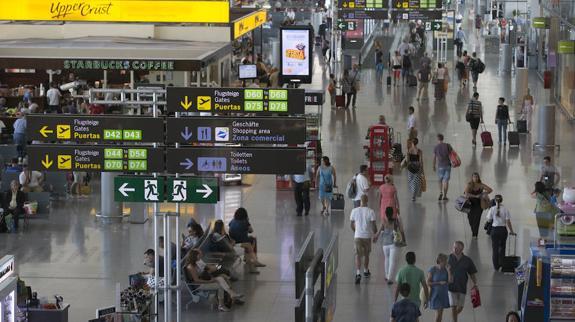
445, 198
367, 274
357, 278
223, 308
440, 197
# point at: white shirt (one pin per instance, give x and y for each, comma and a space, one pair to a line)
34, 178
363, 218
501, 220
362, 185
53, 96
411, 121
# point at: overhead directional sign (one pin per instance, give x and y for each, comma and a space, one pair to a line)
193, 190
98, 128
170, 189
236, 100
361, 4
138, 189
433, 25
240, 160
258, 130
248, 23
345, 25
95, 158
362, 14
423, 15
417, 4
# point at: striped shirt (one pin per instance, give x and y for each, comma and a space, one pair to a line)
475, 108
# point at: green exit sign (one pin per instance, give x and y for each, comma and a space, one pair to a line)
541, 22
566, 47
178, 190
138, 189
193, 190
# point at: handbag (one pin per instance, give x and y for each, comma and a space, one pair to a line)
454, 158
468, 116
486, 203
462, 204
398, 235
475, 297
423, 183
488, 227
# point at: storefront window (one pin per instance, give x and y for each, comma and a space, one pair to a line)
566, 75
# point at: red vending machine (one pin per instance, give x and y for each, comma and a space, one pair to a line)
380, 138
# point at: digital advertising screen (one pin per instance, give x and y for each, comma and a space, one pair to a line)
296, 54
248, 72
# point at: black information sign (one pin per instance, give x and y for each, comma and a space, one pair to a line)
253, 130
236, 100
98, 128
314, 97
95, 158
417, 4
423, 15
241, 160
362, 14
362, 4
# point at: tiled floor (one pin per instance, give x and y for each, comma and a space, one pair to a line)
74, 256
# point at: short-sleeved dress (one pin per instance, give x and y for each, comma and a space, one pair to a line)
439, 297
325, 179
387, 192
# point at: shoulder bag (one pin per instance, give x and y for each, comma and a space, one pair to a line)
453, 157
462, 204
398, 235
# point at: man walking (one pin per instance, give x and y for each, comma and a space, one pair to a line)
474, 116
405, 310
363, 225
462, 268
411, 130
459, 39
549, 174
53, 95
476, 67
413, 276
361, 184
442, 165
423, 77
302, 183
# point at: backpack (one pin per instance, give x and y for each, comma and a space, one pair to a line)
479, 66
406, 62
351, 188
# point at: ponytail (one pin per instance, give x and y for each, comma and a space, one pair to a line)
498, 200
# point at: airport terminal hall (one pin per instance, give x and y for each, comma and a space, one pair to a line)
287, 160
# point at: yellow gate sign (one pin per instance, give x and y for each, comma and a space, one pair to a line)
249, 23
176, 11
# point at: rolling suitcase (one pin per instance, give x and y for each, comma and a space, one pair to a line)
521, 126
513, 137
340, 101
337, 201
511, 262
486, 139
411, 81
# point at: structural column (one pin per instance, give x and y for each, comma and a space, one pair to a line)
110, 211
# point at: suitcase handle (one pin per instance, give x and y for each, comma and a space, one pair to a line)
514, 237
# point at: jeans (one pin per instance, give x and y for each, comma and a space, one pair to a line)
20, 141
390, 252
498, 240
351, 98
301, 193
502, 130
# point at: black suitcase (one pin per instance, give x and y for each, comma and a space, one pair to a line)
411, 81
513, 137
522, 126
388, 81
511, 262
337, 201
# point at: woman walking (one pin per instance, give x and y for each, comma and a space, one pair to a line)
388, 229
331, 88
500, 220
396, 63
527, 109
438, 278
439, 81
475, 191
544, 209
327, 182
388, 198
414, 164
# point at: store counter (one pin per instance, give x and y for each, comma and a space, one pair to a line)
47, 315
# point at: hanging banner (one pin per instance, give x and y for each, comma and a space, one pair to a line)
188, 11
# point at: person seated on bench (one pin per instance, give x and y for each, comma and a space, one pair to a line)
13, 167
213, 269
192, 240
149, 256
196, 274
240, 228
31, 181
220, 241
13, 202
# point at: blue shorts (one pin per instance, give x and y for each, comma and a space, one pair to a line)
444, 174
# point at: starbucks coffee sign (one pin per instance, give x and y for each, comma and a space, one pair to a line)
113, 64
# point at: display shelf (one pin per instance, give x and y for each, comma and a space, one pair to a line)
562, 287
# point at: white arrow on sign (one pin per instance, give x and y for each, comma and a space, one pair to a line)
124, 189
207, 191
